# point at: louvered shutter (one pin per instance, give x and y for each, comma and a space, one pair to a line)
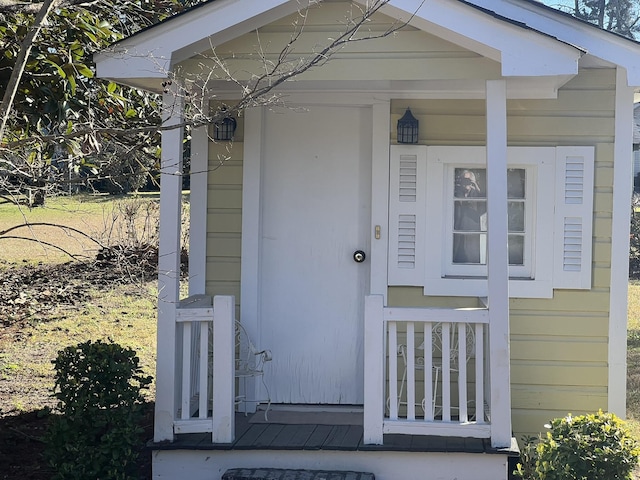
407, 212
573, 242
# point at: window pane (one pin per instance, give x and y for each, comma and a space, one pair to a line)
470, 183
469, 248
516, 182
516, 216
516, 250
469, 215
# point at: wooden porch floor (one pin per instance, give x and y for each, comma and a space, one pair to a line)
313, 436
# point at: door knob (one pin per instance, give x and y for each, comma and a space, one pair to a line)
359, 256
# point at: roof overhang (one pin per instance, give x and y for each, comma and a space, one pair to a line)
520, 50
528, 41
145, 59
611, 48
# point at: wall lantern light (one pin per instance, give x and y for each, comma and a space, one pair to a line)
408, 128
225, 128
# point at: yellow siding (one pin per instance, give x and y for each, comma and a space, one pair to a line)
559, 346
224, 217
409, 54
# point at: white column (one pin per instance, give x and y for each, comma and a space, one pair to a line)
380, 198
622, 188
498, 263
251, 192
251, 235
198, 211
374, 357
168, 265
224, 308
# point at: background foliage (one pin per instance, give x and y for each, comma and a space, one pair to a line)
61, 131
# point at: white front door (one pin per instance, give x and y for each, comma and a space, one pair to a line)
315, 212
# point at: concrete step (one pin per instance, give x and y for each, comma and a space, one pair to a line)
286, 474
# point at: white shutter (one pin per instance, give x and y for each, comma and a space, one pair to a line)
407, 212
573, 242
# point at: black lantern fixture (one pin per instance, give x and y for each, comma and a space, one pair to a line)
408, 128
225, 128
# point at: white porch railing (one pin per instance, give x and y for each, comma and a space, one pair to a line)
431, 368
206, 390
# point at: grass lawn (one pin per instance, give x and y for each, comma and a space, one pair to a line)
124, 312
101, 217
633, 358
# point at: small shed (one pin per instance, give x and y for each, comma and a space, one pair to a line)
451, 290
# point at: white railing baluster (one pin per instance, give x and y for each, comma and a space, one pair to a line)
462, 373
480, 373
185, 403
446, 372
203, 400
411, 372
429, 392
393, 371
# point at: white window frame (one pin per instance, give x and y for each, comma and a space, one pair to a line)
443, 278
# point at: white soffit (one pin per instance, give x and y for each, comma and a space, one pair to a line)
520, 50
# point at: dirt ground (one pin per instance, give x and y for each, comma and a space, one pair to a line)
28, 294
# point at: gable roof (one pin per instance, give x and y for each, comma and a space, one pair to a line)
527, 38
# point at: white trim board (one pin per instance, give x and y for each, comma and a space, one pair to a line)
622, 187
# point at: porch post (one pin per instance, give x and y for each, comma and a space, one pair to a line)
223, 427
198, 211
374, 356
251, 236
168, 264
498, 263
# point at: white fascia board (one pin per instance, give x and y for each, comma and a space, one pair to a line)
599, 43
521, 51
151, 53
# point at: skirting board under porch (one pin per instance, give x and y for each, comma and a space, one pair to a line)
212, 464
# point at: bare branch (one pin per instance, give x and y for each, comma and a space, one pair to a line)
45, 224
15, 6
42, 242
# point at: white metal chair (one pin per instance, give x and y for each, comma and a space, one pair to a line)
250, 363
436, 351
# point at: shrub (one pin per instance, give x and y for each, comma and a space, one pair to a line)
98, 387
588, 447
526, 467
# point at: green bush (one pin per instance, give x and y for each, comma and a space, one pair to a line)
97, 436
588, 447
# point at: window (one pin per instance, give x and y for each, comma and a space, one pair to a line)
466, 220
444, 245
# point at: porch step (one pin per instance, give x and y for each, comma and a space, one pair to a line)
286, 474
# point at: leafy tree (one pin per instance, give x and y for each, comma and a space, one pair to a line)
56, 96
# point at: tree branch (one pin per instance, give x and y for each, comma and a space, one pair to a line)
21, 62
42, 242
16, 6
45, 224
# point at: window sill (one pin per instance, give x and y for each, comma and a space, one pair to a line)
477, 287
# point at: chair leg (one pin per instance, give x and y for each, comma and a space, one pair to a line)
266, 412
436, 375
